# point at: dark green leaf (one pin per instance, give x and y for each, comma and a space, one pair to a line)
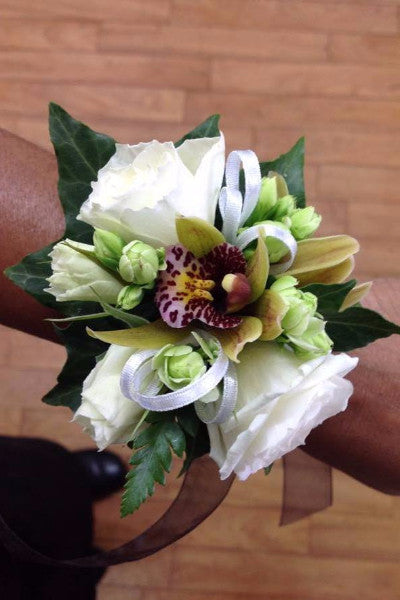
151, 460
290, 166
208, 128
330, 296
357, 327
31, 274
80, 153
267, 470
196, 434
353, 328
81, 358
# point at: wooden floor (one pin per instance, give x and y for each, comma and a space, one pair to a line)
275, 70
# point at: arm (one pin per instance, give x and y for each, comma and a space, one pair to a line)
363, 441
31, 217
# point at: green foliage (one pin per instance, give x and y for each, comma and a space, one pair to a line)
152, 458
208, 128
81, 358
196, 435
80, 153
353, 328
357, 327
290, 166
330, 296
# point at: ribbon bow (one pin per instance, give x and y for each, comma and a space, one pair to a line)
138, 385
235, 210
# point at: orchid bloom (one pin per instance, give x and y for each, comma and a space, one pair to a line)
205, 288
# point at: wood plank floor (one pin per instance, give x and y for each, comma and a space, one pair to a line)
275, 70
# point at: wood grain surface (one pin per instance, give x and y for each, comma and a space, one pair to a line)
275, 70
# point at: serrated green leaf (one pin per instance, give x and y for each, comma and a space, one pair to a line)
151, 460
208, 128
80, 153
290, 166
330, 296
196, 434
357, 327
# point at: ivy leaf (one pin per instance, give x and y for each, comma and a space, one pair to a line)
290, 166
81, 359
330, 296
357, 327
353, 328
208, 128
80, 153
151, 460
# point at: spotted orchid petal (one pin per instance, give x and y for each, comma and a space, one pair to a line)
191, 288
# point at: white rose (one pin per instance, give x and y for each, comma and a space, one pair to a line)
74, 274
142, 188
280, 401
105, 414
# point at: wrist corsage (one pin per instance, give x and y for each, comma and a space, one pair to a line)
201, 314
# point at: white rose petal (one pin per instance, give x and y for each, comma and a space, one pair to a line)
74, 274
280, 401
105, 414
142, 188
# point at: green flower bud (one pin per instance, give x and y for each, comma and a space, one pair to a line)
140, 263
284, 207
276, 248
177, 366
266, 200
313, 342
273, 188
108, 248
304, 221
130, 296
301, 306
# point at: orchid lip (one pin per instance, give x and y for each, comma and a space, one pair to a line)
204, 288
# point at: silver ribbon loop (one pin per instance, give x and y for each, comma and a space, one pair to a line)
235, 210
139, 385
269, 230
220, 411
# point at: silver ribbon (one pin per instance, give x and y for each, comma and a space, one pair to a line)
220, 411
235, 210
139, 384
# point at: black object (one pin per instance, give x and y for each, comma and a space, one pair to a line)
104, 472
45, 499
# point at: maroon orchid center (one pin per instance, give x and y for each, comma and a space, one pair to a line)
206, 288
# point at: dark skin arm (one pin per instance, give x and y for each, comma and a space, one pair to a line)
363, 441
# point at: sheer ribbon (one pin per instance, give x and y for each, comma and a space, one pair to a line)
201, 493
